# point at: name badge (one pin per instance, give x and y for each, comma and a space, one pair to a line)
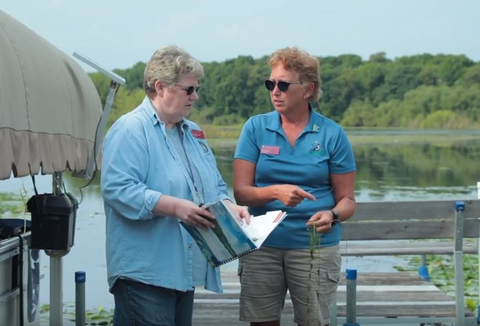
198, 134
272, 150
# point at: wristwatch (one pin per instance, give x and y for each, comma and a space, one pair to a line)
336, 220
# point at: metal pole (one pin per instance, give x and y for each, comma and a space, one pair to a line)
458, 263
80, 279
56, 291
351, 298
56, 268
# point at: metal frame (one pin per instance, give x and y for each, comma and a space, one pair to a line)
460, 319
10, 248
56, 263
115, 83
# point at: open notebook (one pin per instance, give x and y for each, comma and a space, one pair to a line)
231, 239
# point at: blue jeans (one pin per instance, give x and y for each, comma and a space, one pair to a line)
139, 304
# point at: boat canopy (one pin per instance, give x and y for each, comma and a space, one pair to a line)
49, 107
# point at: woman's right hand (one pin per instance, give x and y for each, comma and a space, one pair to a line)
291, 195
191, 214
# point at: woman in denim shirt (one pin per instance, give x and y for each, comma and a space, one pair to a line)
157, 170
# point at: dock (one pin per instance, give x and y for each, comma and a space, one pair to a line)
391, 297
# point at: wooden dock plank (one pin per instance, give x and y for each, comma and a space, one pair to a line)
231, 310
362, 296
407, 229
386, 295
419, 210
403, 247
403, 278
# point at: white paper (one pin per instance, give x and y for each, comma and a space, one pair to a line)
261, 226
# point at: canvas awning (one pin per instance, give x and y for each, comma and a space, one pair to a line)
49, 107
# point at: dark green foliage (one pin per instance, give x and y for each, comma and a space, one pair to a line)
420, 91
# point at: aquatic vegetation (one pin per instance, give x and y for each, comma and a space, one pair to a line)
12, 204
314, 243
99, 316
442, 275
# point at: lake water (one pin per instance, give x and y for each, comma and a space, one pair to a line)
386, 172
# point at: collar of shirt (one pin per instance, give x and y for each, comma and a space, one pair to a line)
152, 113
314, 123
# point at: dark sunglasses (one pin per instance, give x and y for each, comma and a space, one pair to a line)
282, 85
190, 89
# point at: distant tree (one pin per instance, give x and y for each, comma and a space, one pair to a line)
371, 75
452, 68
429, 75
402, 79
359, 114
380, 57
471, 76
445, 119
406, 92
419, 59
339, 93
133, 76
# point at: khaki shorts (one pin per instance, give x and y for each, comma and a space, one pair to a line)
266, 274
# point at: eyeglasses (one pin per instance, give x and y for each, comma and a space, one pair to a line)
282, 85
189, 89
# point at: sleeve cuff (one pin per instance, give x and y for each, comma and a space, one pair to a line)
151, 199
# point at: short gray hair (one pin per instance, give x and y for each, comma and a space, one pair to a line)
167, 65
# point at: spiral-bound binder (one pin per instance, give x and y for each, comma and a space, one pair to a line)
231, 239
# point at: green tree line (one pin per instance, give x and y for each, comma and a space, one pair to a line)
419, 91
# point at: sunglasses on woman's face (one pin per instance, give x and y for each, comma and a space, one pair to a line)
189, 89
282, 85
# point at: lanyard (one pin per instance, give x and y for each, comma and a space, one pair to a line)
190, 171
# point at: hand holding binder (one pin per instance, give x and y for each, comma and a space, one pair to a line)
230, 238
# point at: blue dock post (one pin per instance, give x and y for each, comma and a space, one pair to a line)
423, 269
351, 298
458, 263
80, 279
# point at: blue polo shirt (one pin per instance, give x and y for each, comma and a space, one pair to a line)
320, 150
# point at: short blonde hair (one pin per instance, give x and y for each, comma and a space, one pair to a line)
167, 65
307, 66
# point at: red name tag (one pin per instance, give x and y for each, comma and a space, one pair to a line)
198, 134
272, 150
279, 216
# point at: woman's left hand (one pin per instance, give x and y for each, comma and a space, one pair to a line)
241, 212
322, 221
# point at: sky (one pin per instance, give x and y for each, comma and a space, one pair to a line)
120, 33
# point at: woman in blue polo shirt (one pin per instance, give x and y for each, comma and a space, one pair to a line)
297, 160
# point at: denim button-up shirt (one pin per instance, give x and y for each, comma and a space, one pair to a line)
140, 164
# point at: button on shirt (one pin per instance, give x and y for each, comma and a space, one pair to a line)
140, 163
